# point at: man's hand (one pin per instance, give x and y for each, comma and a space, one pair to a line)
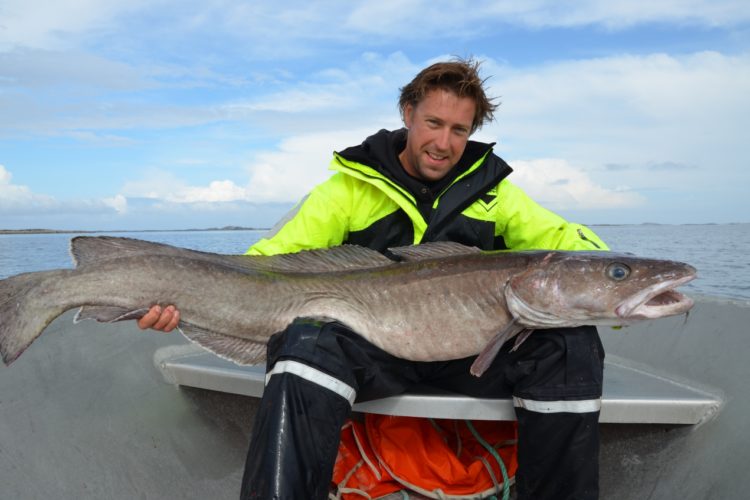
157, 319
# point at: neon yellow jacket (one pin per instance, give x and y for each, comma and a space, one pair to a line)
362, 204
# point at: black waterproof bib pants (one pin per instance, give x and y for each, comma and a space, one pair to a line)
315, 371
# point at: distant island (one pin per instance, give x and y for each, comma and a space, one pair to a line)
69, 231
242, 228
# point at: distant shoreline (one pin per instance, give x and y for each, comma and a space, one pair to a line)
241, 228
70, 231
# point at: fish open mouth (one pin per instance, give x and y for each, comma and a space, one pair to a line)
656, 301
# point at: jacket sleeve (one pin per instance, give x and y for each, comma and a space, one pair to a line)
525, 225
318, 221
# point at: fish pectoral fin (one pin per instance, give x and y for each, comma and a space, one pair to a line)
489, 353
521, 337
242, 351
109, 314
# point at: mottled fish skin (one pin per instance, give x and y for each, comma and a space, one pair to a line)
439, 301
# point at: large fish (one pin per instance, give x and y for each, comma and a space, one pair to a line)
436, 301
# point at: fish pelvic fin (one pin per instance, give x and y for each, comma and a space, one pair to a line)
489, 353
238, 350
108, 314
25, 311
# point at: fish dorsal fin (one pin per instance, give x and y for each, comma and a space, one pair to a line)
432, 250
341, 258
91, 249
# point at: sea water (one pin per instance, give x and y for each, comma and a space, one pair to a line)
720, 252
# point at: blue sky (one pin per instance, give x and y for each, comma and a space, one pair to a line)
166, 114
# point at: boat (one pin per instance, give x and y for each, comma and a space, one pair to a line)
96, 411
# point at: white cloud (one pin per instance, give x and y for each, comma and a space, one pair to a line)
286, 29
15, 197
622, 14
166, 186
51, 94
298, 164
64, 23
633, 110
425, 18
34, 69
39, 23
354, 91
19, 200
558, 185
298, 100
118, 202
283, 174
216, 191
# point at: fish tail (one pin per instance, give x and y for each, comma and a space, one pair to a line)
25, 311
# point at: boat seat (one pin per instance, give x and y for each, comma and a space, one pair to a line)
631, 394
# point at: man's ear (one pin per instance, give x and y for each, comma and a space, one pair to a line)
408, 115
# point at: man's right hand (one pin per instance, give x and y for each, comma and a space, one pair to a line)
162, 320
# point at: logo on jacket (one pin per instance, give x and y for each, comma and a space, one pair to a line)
489, 199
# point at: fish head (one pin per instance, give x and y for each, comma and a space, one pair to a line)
560, 289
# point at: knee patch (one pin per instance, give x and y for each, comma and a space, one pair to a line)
560, 364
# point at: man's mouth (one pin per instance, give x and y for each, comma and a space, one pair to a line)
437, 157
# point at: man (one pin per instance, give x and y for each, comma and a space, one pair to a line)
426, 182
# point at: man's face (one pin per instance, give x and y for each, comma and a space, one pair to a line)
439, 127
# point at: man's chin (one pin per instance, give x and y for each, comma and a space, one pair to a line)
431, 175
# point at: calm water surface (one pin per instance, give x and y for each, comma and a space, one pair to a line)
36, 252
719, 252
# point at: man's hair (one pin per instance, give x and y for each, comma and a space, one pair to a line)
459, 76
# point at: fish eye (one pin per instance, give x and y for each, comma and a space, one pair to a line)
617, 271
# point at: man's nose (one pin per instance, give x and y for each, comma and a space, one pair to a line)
443, 139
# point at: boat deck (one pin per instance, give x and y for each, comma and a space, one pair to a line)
631, 394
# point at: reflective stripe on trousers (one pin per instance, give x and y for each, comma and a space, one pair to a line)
315, 376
